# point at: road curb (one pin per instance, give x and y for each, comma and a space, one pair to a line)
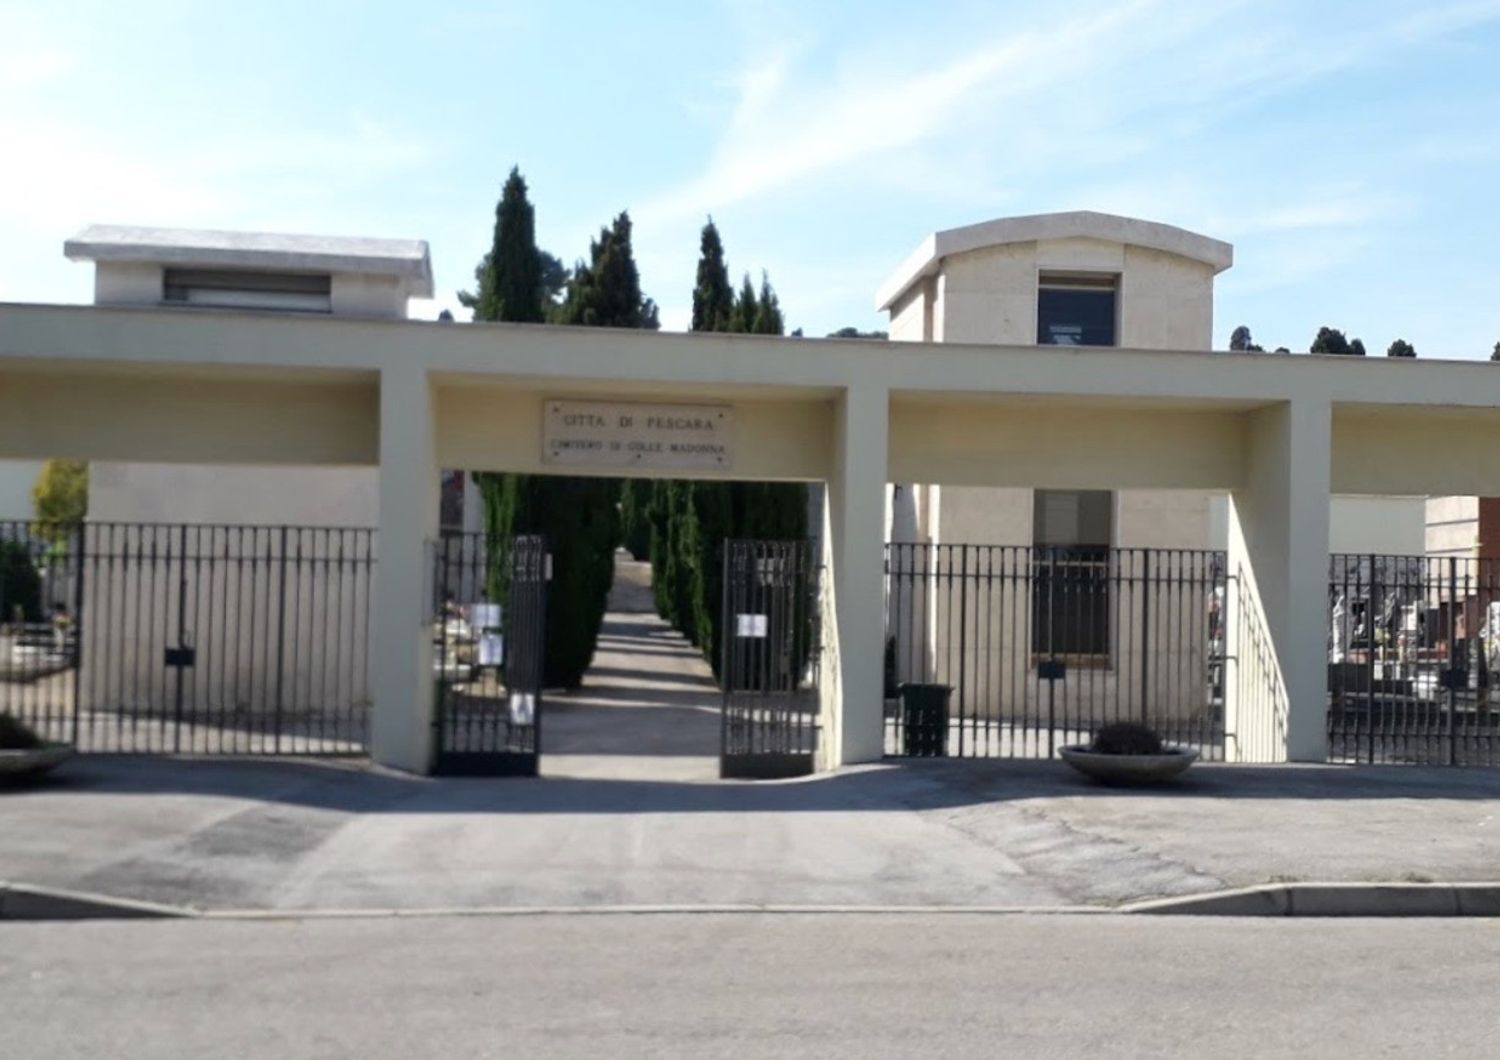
1333, 900
20, 901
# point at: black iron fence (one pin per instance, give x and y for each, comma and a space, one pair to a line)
1413, 642
193, 639
1039, 647
769, 673
489, 648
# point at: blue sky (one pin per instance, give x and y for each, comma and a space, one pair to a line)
1350, 151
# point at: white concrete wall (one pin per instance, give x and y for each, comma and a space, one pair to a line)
990, 295
280, 620
1451, 526
350, 294
17, 477
911, 315
1394, 526
263, 496
1166, 302
272, 636
356, 295
127, 283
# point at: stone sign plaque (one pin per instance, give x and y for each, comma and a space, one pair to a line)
628, 434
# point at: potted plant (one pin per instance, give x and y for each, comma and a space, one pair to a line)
24, 754
1127, 752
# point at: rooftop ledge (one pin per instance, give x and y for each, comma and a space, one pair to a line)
1071, 224
406, 259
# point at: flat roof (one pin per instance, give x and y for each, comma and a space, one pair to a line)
407, 259
1072, 224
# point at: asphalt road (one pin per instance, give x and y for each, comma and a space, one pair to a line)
713, 985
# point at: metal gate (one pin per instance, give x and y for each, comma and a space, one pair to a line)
1039, 647
489, 651
187, 638
1412, 646
772, 642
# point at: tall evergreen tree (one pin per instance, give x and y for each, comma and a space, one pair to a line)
646, 506
713, 297
605, 292
579, 516
1241, 339
1357, 347
746, 305
1329, 340
1401, 348
691, 520
767, 320
510, 288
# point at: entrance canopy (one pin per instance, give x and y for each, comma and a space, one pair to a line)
215, 386
1279, 433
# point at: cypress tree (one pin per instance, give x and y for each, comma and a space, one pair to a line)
767, 319
635, 516
581, 516
746, 305
663, 562
713, 297
692, 520
606, 292
509, 289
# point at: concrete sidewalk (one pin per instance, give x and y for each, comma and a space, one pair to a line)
279, 835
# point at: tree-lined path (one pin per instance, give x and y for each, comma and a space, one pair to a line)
648, 708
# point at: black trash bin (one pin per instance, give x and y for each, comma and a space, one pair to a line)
924, 720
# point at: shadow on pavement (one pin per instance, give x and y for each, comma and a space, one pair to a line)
351, 787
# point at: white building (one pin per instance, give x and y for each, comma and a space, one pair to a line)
249, 352
1086, 279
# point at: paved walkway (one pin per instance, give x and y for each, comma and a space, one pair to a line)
649, 705
238, 834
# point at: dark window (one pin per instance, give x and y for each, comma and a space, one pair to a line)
1076, 310
307, 292
1070, 592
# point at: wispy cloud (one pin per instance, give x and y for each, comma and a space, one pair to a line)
779, 133
1122, 78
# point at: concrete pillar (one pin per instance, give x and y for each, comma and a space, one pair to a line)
856, 553
1278, 547
401, 724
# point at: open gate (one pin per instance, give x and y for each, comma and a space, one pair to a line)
770, 659
489, 645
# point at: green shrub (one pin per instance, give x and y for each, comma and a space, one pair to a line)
20, 584
1126, 738
580, 519
15, 736
635, 517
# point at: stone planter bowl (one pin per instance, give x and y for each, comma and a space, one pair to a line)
32, 762
1129, 769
